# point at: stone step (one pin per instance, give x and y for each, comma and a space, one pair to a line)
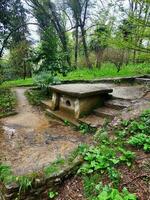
106, 112
143, 80
118, 103
63, 116
92, 120
46, 104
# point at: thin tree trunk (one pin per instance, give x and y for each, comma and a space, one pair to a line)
76, 45
99, 55
85, 48
134, 56
24, 70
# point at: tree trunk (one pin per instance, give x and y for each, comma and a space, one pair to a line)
134, 56
76, 46
24, 70
85, 48
99, 55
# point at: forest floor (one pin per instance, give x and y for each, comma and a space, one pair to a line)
29, 140
103, 177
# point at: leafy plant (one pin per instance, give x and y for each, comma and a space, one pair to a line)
66, 122
52, 194
7, 101
6, 174
85, 128
127, 156
94, 190
92, 185
114, 194
140, 140
24, 182
44, 79
114, 175
98, 158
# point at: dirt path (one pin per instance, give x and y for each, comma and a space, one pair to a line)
30, 140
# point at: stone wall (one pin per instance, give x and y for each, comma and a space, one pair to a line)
40, 186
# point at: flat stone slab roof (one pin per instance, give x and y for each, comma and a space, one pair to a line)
81, 90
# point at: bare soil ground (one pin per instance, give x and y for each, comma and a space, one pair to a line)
30, 140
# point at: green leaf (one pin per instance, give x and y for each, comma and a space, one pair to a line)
103, 196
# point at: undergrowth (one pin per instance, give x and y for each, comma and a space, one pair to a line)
7, 177
36, 96
7, 102
100, 170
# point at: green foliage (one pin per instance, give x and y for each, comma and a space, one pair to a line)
7, 102
7, 177
12, 16
54, 167
107, 70
52, 194
94, 190
19, 65
109, 193
99, 40
36, 96
6, 174
81, 149
45, 79
50, 170
24, 182
66, 122
92, 185
18, 83
138, 131
127, 156
140, 140
48, 56
104, 158
85, 129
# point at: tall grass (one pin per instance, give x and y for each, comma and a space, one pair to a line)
108, 70
18, 82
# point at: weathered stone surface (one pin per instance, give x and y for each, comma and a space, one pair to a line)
62, 116
118, 103
81, 90
129, 92
132, 112
144, 80
129, 79
78, 99
106, 112
41, 185
86, 105
93, 120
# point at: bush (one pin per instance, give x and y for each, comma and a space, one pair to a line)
44, 79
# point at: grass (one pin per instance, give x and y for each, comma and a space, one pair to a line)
7, 102
7, 177
18, 83
106, 70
